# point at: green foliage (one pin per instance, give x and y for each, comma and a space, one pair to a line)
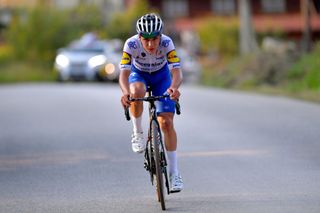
36, 34
255, 70
124, 24
266, 72
219, 36
85, 18
305, 74
5, 53
21, 71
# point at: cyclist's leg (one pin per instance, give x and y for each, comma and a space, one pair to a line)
165, 110
166, 124
137, 90
165, 107
170, 137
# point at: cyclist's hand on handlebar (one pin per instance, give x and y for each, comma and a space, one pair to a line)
125, 100
174, 93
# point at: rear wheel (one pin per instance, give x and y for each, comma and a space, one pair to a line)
155, 139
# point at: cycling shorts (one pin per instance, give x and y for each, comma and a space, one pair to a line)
159, 81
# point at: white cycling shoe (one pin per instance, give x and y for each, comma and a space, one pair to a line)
138, 144
176, 183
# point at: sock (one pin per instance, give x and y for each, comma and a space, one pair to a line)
173, 162
137, 124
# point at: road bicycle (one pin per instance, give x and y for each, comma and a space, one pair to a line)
155, 154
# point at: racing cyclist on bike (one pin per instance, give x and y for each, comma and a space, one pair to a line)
149, 59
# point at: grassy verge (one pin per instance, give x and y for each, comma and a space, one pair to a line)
20, 71
295, 77
306, 95
213, 78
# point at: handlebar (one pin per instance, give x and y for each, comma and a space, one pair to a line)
150, 99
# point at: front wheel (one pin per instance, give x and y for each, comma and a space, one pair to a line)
155, 140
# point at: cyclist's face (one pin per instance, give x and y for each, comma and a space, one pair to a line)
150, 44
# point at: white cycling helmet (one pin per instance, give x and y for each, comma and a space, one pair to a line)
149, 26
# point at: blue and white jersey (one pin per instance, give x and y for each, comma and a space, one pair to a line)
134, 54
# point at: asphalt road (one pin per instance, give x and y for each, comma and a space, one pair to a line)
66, 148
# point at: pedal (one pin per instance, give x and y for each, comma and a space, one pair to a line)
175, 191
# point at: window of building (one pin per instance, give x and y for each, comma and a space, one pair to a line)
175, 8
223, 6
273, 6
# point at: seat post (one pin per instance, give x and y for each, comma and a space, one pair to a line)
149, 91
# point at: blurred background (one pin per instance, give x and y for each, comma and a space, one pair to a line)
269, 46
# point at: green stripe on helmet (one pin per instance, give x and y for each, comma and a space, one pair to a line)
147, 35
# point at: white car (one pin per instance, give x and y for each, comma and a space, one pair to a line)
88, 62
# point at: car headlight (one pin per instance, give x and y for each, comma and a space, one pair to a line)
110, 69
62, 60
97, 61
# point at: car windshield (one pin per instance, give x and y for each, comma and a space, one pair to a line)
86, 50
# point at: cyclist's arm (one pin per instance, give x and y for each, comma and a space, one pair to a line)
173, 90
125, 65
123, 81
124, 85
175, 68
125, 70
176, 78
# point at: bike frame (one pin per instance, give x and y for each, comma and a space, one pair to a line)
163, 160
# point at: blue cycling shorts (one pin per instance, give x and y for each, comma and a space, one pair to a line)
159, 81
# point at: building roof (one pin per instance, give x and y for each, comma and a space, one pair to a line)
284, 22
262, 23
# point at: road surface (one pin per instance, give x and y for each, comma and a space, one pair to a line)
66, 148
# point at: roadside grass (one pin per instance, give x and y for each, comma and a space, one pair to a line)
306, 95
300, 80
20, 71
209, 79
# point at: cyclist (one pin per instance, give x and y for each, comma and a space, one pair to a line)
149, 59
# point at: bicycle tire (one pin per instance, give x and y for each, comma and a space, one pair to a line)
149, 163
155, 134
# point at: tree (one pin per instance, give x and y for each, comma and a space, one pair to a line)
248, 43
306, 40
123, 24
37, 33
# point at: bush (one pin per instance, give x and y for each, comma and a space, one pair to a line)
36, 34
305, 74
217, 35
123, 24
21, 71
5, 53
261, 69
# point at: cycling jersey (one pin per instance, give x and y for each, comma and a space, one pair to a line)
134, 54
